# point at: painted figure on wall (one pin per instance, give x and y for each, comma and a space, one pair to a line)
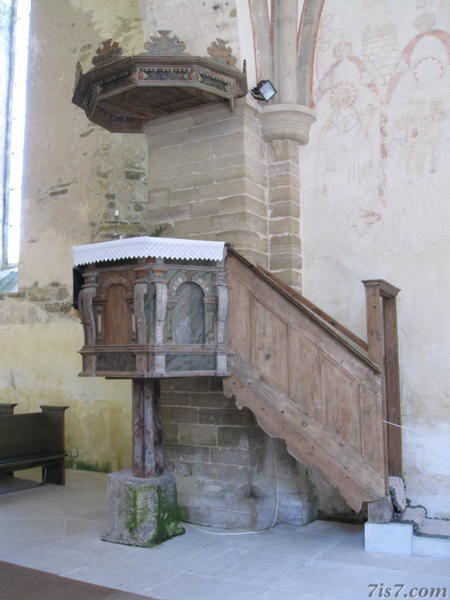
418, 124
348, 104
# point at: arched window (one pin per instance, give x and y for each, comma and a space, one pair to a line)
14, 34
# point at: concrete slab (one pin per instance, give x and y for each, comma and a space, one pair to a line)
429, 546
392, 538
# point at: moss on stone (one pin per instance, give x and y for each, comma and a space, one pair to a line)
137, 511
83, 465
168, 519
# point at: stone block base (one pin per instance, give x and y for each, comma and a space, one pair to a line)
141, 511
392, 538
399, 538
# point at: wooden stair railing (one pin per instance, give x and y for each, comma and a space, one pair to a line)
310, 381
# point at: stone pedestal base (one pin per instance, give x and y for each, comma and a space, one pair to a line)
141, 511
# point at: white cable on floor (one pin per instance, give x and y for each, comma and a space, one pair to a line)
277, 505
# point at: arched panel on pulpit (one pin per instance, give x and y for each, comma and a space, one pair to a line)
116, 316
189, 315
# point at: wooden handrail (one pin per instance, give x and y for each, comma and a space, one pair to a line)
321, 313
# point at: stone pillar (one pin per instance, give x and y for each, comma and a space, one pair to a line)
207, 176
285, 125
285, 44
284, 212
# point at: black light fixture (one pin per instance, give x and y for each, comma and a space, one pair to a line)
264, 90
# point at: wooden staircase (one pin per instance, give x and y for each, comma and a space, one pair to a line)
313, 383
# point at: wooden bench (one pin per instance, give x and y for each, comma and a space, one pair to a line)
33, 439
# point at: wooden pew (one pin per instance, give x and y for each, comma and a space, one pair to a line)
33, 439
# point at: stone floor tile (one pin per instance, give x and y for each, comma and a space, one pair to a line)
189, 586
263, 566
53, 558
344, 582
125, 573
276, 539
9, 546
31, 528
351, 551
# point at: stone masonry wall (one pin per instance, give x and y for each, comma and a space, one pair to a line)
229, 473
207, 177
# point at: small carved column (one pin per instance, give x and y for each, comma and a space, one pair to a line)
86, 307
222, 311
139, 292
147, 435
160, 317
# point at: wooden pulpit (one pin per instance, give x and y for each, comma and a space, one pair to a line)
151, 308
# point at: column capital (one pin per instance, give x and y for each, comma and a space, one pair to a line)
287, 122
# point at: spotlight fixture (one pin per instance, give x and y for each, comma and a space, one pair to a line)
264, 90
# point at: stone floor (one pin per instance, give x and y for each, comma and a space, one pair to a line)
56, 529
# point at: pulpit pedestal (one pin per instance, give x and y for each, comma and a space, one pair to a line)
142, 503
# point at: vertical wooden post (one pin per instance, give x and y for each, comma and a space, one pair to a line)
375, 327
392, 375
383, 349
147, 433
54, 416
7, 408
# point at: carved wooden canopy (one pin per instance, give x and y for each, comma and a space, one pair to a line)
123, 93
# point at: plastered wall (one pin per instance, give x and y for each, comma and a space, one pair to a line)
375, 202
76, 176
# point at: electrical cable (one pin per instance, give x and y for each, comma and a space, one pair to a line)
409, 429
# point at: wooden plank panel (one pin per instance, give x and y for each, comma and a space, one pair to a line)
307, 387
304, 302
342, 400
296, 318
372, 428
239, 317
269, 339
307, 440
305, 375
